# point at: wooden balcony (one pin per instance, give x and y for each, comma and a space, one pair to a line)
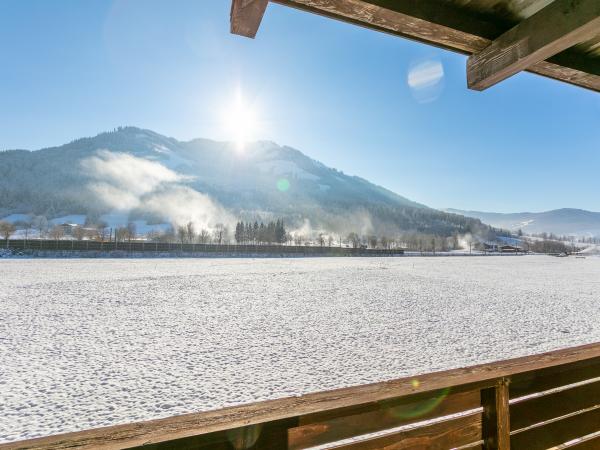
550, 400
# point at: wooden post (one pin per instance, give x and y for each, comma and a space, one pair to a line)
496, 417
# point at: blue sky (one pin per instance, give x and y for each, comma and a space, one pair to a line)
337, 92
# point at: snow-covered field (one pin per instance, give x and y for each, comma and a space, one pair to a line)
86, 343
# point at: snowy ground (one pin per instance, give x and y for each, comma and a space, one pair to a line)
86, 343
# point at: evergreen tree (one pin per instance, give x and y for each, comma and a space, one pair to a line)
239, 232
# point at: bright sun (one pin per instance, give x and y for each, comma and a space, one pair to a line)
241, 122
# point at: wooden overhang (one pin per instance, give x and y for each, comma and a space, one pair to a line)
559, 39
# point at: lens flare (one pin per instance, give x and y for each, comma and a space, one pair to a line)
420, 408
244, 438
283, 185
426, 80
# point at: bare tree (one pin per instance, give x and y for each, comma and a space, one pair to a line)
6, 230
373, 241
121, 234
203, 236
469, 241
57, 232
190, 232
321, 238
40, 223
131, 231
78, 233
354, 239
329, 240
181, 233
220, 233
101, 230
27, 225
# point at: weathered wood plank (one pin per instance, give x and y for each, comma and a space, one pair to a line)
428, 21
161, 430
315, 430
437, 23
496, 421
270, 436
540, 409
558, 26
246, 16
442, 435
553, 377
556, 433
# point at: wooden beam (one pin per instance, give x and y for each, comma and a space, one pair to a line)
428, 21
557, 27
246, 16
438, 23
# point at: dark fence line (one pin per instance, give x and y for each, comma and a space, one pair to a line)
142, 246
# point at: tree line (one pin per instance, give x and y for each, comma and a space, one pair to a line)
275, 232
272, 232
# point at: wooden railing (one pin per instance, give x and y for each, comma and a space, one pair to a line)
550, 400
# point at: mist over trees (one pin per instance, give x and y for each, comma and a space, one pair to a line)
54, 182
276, 232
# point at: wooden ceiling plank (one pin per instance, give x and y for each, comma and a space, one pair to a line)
427, 21
557, 27
246, 16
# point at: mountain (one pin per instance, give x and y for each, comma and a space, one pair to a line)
566, 221
158, 178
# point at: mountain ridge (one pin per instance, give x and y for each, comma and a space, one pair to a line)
561, 221
155, 176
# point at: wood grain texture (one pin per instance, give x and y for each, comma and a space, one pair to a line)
246, 16
496, 413
269, 436
537, 381
558, 26
449, 25
443, 435
188, 425
380, 416
551, 406
556, 433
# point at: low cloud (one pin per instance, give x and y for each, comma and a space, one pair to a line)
182, 204
124, 182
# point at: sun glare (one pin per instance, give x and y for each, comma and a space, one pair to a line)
241, 122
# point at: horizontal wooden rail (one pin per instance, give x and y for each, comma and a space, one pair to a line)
530, 402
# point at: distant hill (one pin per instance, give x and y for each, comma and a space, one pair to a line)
566, 221
159, 178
